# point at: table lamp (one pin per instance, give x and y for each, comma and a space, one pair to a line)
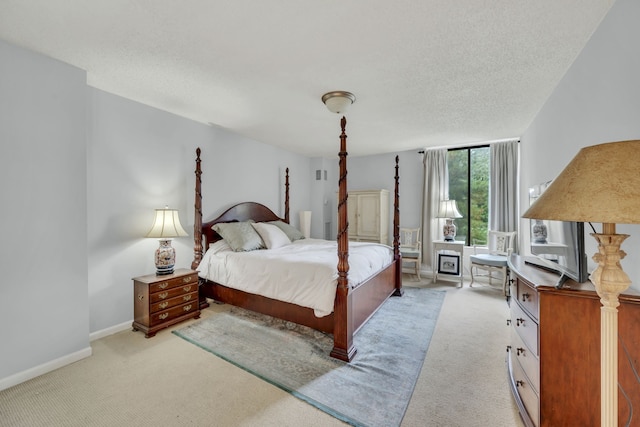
165, 226
601, 184
449, 211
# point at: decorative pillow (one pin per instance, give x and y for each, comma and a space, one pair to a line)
240, 236
292, 233
271, 235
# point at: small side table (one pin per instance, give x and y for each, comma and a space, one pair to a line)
162, 301
454, 246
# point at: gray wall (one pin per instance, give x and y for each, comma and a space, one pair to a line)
140, 159
597, 101
44, 310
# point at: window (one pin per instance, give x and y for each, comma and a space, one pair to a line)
469, 187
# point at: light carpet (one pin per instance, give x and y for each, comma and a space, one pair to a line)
373, 390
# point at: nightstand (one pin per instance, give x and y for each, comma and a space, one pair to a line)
162, 301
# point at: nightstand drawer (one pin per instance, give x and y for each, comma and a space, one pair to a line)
172, 302
173, 292
172, 313
165, 285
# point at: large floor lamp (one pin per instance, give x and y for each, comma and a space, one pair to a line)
601, 184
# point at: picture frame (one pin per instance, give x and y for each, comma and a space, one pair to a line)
449, 264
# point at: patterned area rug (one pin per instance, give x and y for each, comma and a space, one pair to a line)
373, 390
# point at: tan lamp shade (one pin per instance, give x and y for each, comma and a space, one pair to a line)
601, 184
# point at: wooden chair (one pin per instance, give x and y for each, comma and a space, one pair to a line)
411, 247
500, 246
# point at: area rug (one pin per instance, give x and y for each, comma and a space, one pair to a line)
373, 390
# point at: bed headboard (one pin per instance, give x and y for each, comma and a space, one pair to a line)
241, 212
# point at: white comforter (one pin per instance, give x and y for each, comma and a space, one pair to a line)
304, 272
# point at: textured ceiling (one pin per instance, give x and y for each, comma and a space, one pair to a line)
424, 72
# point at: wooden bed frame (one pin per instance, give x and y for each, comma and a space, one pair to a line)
352, 308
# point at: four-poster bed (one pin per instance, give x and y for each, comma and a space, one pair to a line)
353, 304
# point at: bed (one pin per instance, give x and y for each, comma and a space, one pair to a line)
356, 296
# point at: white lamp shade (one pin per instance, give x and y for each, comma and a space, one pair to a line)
448, 209
167, 224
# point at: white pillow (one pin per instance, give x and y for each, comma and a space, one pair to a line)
272, 236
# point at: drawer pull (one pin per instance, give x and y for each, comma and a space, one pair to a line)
186, 288
187, 307
163, 316
519, 383
163, 295
520, 351
186, 279
140, 297
186, 297
164, 304
525, 297
519, 322
508, 348
508, 322
163, 285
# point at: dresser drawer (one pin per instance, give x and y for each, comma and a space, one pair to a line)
166, 315
528, 360
527, 393
526, 327
172, 302
173, 292
527, 297
165, 285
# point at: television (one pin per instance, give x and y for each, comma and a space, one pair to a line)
558, 245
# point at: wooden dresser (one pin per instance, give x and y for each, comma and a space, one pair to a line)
554, 354
162, 301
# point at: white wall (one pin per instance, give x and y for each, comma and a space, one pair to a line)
43, 291
597, 101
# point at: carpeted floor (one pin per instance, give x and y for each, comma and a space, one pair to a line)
373, 390
134, 381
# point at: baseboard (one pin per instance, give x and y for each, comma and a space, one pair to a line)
109, 331
52, 365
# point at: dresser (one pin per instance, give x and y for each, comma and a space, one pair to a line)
554, 351
368, 215
162, 301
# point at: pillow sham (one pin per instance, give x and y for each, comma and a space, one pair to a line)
292, 233
271, 235
240, 236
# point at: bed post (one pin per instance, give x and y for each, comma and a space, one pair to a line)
286, 196
197, 223
197, 230
343, 348
396, 233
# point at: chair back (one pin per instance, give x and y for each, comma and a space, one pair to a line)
501, 242
410, 238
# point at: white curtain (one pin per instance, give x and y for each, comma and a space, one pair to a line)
503, 190
435, 188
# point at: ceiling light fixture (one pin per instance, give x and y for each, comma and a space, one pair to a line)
338, 101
